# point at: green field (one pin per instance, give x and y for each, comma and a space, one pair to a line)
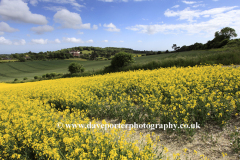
86, 52
29, 69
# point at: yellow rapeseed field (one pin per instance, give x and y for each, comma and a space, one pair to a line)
30, 111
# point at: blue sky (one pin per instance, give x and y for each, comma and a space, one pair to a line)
48, 25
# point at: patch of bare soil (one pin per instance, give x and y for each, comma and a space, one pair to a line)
210, 141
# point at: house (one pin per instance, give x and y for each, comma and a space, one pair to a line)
27, 57
5, 58
75, 53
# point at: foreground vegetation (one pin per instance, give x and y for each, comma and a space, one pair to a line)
30, 111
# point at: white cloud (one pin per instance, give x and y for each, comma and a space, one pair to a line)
9, 42
5, 41
111, 28
19, 42
4, 27
100, 25
176, 6
198, 5
189, 2
105, 41
54, 8
72, 40
39, 41
188, 14
1, 33
121, 41
42, 29
79, 32
70, 20
139, 41
18, 11
71, 2
90, 41
51, 42
95, 27
217, 21
34, 2
57, 41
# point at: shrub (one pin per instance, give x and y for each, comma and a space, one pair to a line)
25, 78
44, 76
15, 79
224, 42
53, 74
48, 75
75, 68
21, 59
36, 77
122, 59
167, 51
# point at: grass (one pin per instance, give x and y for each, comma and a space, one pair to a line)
5, 61
29, 69
86, 52
10, 71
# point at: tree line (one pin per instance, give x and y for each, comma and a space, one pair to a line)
64, 53
221, 38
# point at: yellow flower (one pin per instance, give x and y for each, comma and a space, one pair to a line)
195, 152
165, 149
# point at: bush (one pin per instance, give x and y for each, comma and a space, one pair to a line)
25, 78
224, 42
53, 75
15, 79
75, 68
36, 77
167, 51
122, 59
48, 75
44, 76
21, 59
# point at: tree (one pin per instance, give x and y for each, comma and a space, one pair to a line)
175, 47
226, 33
94, 55
122, 59
75, 68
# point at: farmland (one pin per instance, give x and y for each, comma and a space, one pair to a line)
30, 111
29, 69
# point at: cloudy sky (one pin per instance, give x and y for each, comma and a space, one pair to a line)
48, 25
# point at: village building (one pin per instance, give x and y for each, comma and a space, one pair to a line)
75, 53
